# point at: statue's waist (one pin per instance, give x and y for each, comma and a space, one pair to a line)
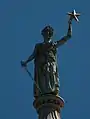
45, 59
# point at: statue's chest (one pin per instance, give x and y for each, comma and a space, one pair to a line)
43, 49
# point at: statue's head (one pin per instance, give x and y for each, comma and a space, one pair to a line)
47, 33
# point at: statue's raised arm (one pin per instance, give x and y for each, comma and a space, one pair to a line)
73, 15
65, 38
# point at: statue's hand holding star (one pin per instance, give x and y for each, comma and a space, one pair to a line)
73, 15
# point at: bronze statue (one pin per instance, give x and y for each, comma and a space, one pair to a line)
45, 62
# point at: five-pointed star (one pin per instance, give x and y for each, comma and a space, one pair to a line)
74, 15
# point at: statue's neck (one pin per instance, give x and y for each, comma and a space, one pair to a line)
47, 41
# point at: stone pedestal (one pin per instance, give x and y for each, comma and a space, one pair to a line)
48, 106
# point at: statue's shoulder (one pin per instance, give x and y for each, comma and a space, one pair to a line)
38, 44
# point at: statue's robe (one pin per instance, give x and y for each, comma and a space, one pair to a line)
45, 70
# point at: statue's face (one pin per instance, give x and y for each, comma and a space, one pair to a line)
47, 35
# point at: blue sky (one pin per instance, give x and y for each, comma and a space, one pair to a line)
20, 24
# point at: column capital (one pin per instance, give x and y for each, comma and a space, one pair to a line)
53, 101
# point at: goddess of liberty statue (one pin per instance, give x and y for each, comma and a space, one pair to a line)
45, 62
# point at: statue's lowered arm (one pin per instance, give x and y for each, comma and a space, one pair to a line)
30, 58
65, 38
